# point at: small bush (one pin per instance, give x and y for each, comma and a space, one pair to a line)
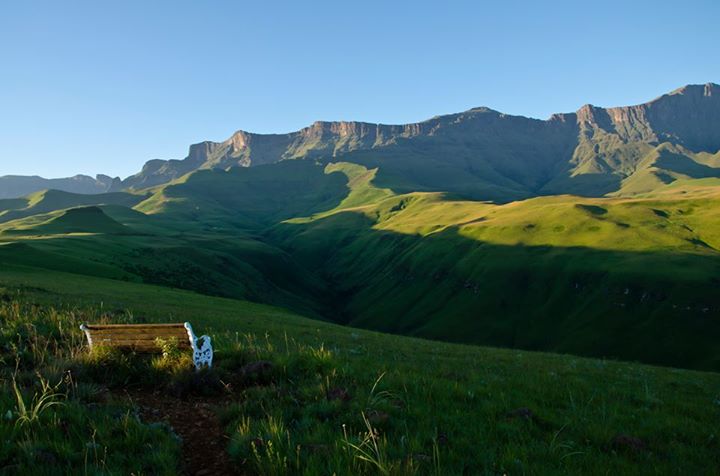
113, 367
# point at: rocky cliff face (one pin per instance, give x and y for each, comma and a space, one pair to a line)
591, 151
688, 116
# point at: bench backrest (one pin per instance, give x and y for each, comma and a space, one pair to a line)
137, 337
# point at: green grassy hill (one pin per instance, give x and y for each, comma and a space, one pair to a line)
432, 408
630, 278
52, 200
81, 220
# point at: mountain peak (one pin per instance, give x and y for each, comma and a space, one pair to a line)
591, 114
692, 92
483, 109
706, 89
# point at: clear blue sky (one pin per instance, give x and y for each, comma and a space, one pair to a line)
101, 87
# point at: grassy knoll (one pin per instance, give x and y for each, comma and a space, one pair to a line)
51, 200
333, 399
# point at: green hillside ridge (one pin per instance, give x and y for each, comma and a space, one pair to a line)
436, 408
86, 220
82, 220
51, 200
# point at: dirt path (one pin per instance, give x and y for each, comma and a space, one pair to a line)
204, 441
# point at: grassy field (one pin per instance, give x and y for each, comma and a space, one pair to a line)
628, 278
336, 399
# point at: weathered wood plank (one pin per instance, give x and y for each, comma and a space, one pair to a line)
141, 342
139, 350
178, 337
164, 335
120, 330
154, 326
137, 336
137, 332
97, 338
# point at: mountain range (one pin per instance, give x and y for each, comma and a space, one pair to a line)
479, 154
15, 186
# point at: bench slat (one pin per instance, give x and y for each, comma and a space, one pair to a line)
125, 343
130, 326
148, 340
180, 340
134, 346
143, 324
137, 332
178, 337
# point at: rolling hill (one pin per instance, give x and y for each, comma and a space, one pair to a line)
46, 201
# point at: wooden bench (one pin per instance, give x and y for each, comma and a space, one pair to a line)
143, 338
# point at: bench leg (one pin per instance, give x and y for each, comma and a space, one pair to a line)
203, 356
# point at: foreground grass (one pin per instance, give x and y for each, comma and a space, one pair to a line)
53, 422
314, 398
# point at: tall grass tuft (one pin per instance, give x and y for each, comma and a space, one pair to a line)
371, 448
29, 412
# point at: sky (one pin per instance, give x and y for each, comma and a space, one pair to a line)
101, 87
